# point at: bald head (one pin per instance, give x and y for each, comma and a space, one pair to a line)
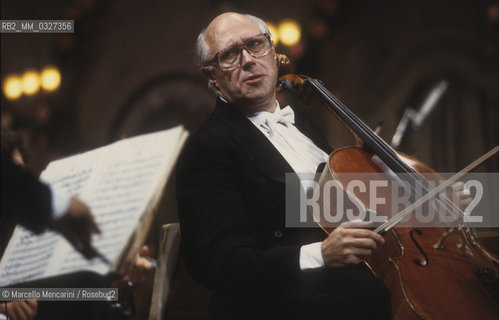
220, 25
249, 80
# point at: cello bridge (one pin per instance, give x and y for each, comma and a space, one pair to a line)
441, 242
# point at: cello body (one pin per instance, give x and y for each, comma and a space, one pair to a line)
428, 271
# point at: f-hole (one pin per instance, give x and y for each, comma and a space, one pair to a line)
425, 260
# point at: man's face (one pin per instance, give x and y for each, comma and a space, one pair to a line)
254, 79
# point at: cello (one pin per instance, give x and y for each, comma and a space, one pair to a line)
431, 273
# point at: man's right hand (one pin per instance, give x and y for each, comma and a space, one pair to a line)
349, 244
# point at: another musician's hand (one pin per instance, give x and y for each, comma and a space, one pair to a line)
143, 271
77, 225
20, 310
349, 244
138, 282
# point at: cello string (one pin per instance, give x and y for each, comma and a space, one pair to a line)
389, 152
449, 206
366, 134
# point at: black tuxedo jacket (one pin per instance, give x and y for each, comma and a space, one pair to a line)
25, 199
231, 202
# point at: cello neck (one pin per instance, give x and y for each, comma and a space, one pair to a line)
370, 140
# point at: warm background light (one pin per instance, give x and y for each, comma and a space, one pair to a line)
289, 32
12, 87
273, 32
30, 82
51, 78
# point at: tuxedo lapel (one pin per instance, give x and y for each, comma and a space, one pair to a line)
253, 142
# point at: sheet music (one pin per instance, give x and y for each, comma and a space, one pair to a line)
118, 191
36, 252
29, 256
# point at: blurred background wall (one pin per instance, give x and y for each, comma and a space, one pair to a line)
128, 69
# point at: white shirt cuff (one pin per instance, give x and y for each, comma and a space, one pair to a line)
311, 256
60, 202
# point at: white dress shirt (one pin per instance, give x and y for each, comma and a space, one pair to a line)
60, 202
301, 154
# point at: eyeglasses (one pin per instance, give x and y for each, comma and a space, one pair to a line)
228, 59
